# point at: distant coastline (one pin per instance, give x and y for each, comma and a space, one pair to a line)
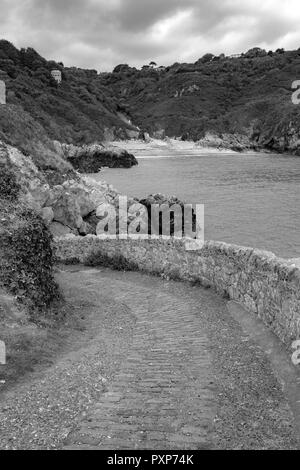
171, 147
166, 147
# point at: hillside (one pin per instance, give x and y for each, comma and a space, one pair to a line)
79, 110
236, 102
249, 95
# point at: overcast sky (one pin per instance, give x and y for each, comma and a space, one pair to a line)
101, 34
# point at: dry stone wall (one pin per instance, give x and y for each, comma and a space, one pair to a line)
264, 284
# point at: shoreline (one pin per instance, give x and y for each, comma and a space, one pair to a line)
170, 148
156, 147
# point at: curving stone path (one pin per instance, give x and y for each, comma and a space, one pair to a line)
169, 392
163, 397
154, 364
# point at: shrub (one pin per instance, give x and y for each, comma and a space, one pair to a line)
26, 257
118, 262
9, 188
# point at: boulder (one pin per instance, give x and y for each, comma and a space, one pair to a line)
92, 220
55, 194
91, 158
167, 202
59, 230
132, 134
97, 191
87, 229
67, 211
159, 134
81, 195
47, 215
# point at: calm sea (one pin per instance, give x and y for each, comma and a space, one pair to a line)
250, 199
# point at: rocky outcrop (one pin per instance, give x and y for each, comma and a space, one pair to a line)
285, 138
67, 211
67, 208
91, 158
155, 227
47, 215
159, 134
60, 230
235, 142
34, 189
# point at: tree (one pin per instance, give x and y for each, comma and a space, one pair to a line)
121, 68
255, 52
207, 58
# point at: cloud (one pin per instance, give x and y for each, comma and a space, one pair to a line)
101, 34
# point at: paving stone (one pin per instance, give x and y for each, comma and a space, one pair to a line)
164, 387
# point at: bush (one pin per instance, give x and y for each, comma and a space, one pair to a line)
26, 257
118, 262
9, 188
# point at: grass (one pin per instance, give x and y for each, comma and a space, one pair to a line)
33, 343
19, 129
118, 262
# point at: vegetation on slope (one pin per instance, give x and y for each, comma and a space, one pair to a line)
26, 257
19, 129
76, 111
250, 95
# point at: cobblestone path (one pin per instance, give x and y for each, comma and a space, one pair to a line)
163, 396
192, 378
153, 364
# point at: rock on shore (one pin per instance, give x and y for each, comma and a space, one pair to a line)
91, 158
67, 208
235, 142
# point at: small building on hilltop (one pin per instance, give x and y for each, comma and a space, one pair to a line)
2, 92
235, 56
56, 74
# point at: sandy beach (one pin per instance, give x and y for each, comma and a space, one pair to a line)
165, 148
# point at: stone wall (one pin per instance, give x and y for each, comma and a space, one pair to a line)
261, 282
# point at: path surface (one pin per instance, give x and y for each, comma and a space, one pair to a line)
189, 380
163, 396
160, 365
